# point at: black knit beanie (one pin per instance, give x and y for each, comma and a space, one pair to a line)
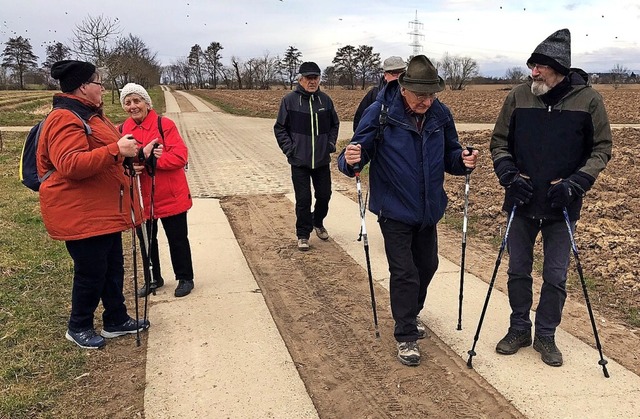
555, 51
72, 74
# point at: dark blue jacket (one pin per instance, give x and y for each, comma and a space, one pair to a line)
407, 166
307, 128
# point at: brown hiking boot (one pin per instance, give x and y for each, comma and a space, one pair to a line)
549, 352
513, 341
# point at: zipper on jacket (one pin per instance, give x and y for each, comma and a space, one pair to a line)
313, 136
121, 196
549, 109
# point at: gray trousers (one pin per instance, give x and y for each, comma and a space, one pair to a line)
557, 251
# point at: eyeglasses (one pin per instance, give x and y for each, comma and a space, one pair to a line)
538, 66
95, 82
423, 97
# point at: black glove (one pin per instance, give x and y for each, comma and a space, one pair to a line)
520, 189
563, 193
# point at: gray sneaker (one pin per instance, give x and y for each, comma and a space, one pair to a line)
550, 353
513, 341
322, 233
303, 244
422, 328
409, 353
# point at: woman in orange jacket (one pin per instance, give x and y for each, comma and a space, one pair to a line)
86, 201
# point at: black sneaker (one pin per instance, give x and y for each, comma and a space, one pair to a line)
184, 288
550, 353
87, 339
513, 341
422, 328
148, 288
409, 353
128, 327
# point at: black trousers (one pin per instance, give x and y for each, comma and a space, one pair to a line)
412, 254
302, 178
176, 230
98, 274
557, 249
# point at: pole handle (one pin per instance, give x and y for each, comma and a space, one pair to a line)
356, 166
470, 150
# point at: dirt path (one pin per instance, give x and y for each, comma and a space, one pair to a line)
319, 302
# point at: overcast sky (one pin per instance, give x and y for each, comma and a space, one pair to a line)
497, 34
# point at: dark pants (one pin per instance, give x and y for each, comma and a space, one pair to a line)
98, 274
412, 255
302, 178
556, 248
175, 228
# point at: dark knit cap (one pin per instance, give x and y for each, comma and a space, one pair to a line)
309, 68
72, 74
555, 51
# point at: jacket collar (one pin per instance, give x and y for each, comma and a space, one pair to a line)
79, 105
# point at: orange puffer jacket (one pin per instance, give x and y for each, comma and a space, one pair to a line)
88, 193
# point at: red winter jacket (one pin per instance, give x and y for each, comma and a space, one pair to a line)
171, 195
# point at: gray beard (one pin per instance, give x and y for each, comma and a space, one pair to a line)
539, 88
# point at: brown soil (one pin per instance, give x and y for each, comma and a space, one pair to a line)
320, 303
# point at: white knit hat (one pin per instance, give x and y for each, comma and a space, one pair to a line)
130, 88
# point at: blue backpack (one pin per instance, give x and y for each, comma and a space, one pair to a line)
28, 167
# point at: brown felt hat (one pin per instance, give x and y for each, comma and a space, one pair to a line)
421, 76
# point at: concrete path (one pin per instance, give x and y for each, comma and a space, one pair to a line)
200, 346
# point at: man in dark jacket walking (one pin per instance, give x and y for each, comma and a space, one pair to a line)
419, 144
307, 131
392, 67
550, 142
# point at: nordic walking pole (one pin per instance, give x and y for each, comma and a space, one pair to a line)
574, 248
467, 176
145, 240
472, 351
151, 170
363, 236
129, 169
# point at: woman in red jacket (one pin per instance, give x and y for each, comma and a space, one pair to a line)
168, 192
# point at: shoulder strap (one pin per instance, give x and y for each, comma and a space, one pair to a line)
160, 127
382, 122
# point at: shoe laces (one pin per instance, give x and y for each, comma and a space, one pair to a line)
549, 343
514, 335
408, 346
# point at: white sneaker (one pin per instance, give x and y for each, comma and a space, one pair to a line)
322, 233
409, 353
303, 244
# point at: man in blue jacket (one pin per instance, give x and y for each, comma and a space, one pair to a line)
417, 145
307, 131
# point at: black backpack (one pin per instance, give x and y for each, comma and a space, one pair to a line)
28, 167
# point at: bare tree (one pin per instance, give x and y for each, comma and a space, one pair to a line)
345, 62
92, 38
458, 71
290, 64
619, 74
236, 64
132, 61
515, 75
367, 64
266, 70
19, 57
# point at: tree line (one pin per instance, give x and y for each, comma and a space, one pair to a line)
127, 59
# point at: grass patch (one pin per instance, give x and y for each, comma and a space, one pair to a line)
633, 316
36, 362
30, 112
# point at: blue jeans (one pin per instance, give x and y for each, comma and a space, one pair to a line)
98, 274
302, 178
412, 255
556, 249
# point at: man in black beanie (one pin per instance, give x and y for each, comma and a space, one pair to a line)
550, 142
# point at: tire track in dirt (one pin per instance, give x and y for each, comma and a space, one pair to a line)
321, 305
